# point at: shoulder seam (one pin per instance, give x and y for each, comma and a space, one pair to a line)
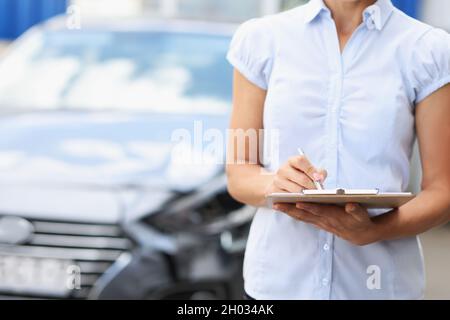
426, 32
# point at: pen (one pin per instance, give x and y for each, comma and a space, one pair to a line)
316, 183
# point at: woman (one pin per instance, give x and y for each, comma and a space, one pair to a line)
350, 82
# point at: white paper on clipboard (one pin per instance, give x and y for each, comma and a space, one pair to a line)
355, 192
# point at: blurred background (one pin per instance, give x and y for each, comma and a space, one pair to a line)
110, 184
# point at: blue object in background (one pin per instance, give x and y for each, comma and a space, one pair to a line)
16, 16
410, 7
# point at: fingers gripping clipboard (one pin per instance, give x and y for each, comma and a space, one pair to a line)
371, 199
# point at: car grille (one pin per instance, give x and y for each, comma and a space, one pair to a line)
93, 247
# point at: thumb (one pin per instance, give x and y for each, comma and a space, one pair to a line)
320, 175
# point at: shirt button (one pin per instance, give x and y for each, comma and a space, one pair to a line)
326, 247
325, 282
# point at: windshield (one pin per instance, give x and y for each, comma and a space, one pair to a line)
146, 71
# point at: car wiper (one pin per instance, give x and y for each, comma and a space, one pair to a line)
85, 186
5, 112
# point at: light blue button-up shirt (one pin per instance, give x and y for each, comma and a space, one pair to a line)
353, 114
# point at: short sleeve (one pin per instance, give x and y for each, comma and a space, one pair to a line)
430, 63
251, 52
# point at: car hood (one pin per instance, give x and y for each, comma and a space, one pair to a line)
78, 164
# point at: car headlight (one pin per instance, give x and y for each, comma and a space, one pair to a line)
206, 216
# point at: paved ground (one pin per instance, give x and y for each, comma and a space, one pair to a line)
436, 246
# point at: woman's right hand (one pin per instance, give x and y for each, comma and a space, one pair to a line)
296, 175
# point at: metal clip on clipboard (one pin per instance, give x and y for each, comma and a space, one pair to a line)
345, 192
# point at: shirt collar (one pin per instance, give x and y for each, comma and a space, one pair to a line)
314, 8
374, 17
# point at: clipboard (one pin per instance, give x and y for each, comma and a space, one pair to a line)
370, 199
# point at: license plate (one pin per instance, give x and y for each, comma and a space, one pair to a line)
39, 276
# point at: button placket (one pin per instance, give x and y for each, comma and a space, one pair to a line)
338, 61
335, 62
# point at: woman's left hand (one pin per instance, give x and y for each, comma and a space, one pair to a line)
351, 223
